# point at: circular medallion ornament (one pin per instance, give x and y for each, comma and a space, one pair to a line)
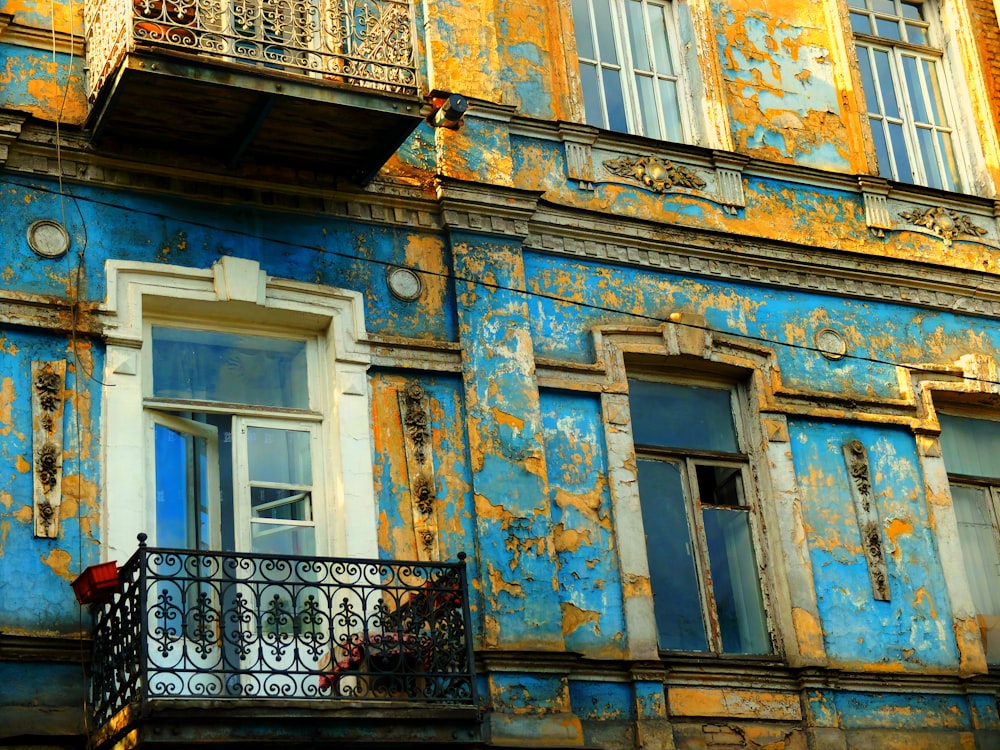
830, 343
405, 284
48, 238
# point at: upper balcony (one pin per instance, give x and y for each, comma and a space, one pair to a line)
232, 648
331, 85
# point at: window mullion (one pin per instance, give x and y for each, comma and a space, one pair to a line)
909, 118
710, 613
633, 117
654, 72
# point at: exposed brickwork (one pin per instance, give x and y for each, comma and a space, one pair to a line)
987, 33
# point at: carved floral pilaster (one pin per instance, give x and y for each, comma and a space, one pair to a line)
47, 403
414, 409
869, 525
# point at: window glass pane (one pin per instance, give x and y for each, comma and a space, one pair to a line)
884, 6
182, 492
861, 23
615, 100
886, 84
280, 456
735, 583
856, 3
592, 95
979, 547
887, 29
899, 153
280, 505
881, 150
637, 36
934, 89
916, 34
868, 81
676, 599
915, 89
647, 107
970, 446
581, 26
605, 32
671, 110
661, 42
952, 181
229, 367
720, 485
912, 11
682, 416
279, 539
928, 157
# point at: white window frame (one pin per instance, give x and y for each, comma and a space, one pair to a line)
207, 433
236, 294
244, 516
989, 488
627, 71
307, 420
688, 460
930, 52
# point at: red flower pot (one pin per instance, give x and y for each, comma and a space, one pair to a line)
97, 583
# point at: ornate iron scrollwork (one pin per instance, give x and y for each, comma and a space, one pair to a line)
208, 625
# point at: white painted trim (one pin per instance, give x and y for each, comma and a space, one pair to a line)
775, 484
237, 289
972, 374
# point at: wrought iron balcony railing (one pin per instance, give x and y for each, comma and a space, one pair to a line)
213, 625
366, 43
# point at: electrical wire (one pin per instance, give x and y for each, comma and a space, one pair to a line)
498, 287
76, 286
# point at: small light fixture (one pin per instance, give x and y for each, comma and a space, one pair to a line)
48, 238
446, 109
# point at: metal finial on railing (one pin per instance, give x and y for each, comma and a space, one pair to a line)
142, 539
462, 556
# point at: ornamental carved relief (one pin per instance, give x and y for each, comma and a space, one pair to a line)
943, 222
659, 175
856, 458
416, 421
415, 415
48, 384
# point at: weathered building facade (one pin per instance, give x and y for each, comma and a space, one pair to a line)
679, 319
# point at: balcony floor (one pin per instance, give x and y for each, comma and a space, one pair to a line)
172, 724
168, 104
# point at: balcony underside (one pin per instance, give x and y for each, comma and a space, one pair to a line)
181, 724
173, 106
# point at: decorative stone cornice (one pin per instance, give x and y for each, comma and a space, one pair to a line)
44, 648
486, 209
12, 32
747, 259
11, 124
